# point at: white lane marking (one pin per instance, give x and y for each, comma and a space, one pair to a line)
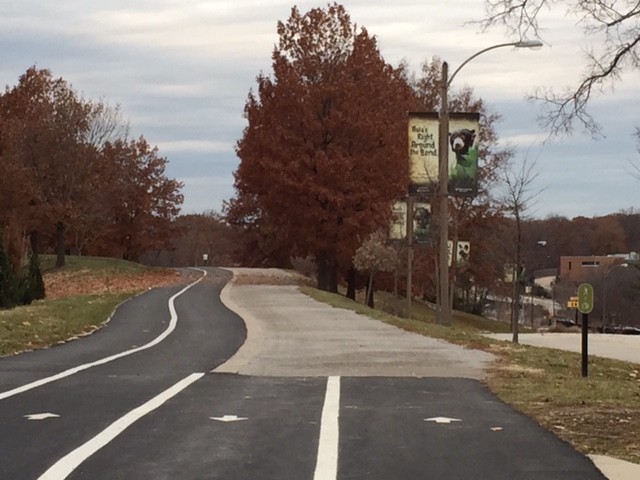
443, 420
41, 416
74, 370
228, 418
327, 463
67, 464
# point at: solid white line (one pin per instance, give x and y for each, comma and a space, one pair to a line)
72, 371
67, 464
327, 463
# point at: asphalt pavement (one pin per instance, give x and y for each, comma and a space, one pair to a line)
55, 400
313, 393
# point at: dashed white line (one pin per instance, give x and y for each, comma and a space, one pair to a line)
74, 370
67, 464
327, 462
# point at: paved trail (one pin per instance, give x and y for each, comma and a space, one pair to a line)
314, 393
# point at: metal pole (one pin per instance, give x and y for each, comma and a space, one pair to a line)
585, 344
409, 253
531, 307
604, 301
444, 317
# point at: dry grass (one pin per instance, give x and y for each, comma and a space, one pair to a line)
274, 276
599, 414
64, 283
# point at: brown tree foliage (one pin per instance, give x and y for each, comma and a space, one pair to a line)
324, 154
143, 201
67, 174
45, 119
193, 236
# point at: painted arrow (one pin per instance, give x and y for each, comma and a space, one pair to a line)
41, 416
442, 420
228, 418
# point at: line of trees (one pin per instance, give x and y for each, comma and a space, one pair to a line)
71, 179
324, 154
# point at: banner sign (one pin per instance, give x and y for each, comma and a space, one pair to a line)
421, 222
463, 153
398, 230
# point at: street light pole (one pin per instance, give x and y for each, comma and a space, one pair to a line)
443, 313
604, 290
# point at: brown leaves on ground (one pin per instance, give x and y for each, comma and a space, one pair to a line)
60, 284
602, 429
272, 276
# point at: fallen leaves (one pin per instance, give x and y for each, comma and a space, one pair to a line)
62, 284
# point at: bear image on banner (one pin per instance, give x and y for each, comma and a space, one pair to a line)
463, 155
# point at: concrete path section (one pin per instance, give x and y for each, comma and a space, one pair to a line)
620, 347
615, 469
290, 334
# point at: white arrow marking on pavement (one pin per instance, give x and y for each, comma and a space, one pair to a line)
229, 418
442, 420
41, 416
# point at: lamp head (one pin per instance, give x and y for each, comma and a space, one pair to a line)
533, 44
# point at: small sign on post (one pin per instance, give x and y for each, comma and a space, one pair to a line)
585, 306
585, 298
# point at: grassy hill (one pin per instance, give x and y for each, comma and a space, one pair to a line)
80, 297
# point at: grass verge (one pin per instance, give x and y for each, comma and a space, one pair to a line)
96, 265
599, 414
80, 298
48, 322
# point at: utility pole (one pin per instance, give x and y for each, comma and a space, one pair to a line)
444, 314
409, 253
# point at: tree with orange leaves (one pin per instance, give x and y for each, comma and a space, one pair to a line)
45, 122
325, 151
140, 200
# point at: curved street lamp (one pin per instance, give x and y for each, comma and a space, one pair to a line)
604, 290
444, 311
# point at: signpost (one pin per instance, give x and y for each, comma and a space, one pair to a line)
585, 306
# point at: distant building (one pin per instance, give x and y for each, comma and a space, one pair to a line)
576, 269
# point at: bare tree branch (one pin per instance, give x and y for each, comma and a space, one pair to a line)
616, 21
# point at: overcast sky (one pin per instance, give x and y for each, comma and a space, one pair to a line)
181, 71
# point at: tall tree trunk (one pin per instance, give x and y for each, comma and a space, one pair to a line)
369, 300
327, 273
60, 234
395, 291
351, 283
323, 277
332, 276
33, 240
